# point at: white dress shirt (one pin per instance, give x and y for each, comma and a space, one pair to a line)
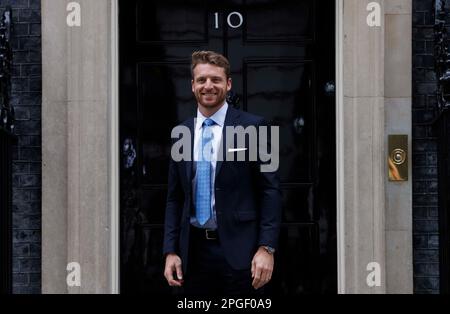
216, 129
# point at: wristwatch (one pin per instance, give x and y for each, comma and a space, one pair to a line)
269, 249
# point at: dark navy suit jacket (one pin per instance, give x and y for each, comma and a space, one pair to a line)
247, 201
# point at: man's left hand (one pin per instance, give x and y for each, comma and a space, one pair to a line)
262, 268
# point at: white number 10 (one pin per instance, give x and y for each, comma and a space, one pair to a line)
239, 15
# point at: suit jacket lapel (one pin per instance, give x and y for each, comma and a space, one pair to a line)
231, 119
188, 163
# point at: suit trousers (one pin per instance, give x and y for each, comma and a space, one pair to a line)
209, 272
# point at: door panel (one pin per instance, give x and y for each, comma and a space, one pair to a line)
279, 90
281, 60
278, 21
161, 85
172, 22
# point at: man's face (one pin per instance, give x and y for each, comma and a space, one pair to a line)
210, 85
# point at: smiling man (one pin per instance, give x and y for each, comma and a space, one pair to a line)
222, 218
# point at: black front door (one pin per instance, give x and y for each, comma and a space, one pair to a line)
282, 58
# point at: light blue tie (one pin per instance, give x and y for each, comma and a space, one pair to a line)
203, 193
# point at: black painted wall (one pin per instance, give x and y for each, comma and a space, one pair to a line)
26, 99
425, 185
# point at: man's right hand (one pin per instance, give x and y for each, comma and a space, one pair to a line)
173, 265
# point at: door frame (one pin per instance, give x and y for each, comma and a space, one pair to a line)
370, 229
114, 144
340, 149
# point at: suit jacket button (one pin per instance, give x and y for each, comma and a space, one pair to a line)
218, 189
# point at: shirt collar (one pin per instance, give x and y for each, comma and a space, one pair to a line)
218, 117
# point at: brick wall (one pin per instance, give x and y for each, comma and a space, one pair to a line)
26, 99
425, 197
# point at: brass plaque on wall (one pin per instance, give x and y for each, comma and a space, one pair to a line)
398, 157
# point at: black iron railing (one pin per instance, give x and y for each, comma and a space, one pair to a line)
441, 125
6, 143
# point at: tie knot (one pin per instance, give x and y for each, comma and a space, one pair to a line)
208, 122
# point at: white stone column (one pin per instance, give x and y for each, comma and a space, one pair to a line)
374, 100
77, 89
361, 134
54, 147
